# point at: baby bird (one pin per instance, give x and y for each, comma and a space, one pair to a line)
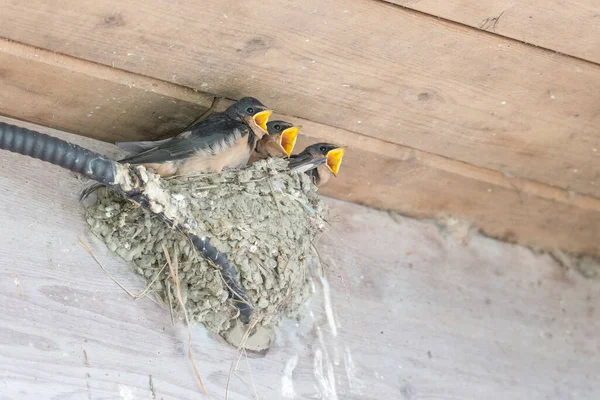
280, 141
320, 161
223, 140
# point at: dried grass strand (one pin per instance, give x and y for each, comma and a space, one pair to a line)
174, 269
238, 353
87, 248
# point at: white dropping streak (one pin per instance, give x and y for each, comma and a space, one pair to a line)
287, 384
328, 308
354, 383
326, 382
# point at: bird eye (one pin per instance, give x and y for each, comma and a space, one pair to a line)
250, 110
277, 127
323, 149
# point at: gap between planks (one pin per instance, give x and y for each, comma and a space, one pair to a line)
533, 22
426, 14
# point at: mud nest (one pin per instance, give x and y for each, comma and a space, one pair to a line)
264, 218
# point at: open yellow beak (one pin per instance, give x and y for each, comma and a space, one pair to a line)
334, 159
262, 118
287, 140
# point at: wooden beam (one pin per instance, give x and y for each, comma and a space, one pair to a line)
375, 172
91, 99
361, 65
417, 184
571, 30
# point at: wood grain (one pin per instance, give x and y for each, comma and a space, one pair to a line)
91, 99
364, 66
417, 314
375, 172
571, 30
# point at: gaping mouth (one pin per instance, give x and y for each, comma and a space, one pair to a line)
262, 118
287, 140
334, 159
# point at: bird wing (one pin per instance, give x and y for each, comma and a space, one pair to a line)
138, 147
304, 162
210, 136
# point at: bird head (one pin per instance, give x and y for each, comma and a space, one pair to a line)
251, 111
319, 154
284, 134
333, 155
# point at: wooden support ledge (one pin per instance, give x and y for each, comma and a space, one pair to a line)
110, 104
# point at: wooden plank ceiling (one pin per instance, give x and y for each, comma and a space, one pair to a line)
570, 28
442, 119
361, 65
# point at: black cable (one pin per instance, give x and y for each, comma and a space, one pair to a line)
58, 152
101, 169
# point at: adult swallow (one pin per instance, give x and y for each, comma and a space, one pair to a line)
319, 161
279, 142
223, 140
